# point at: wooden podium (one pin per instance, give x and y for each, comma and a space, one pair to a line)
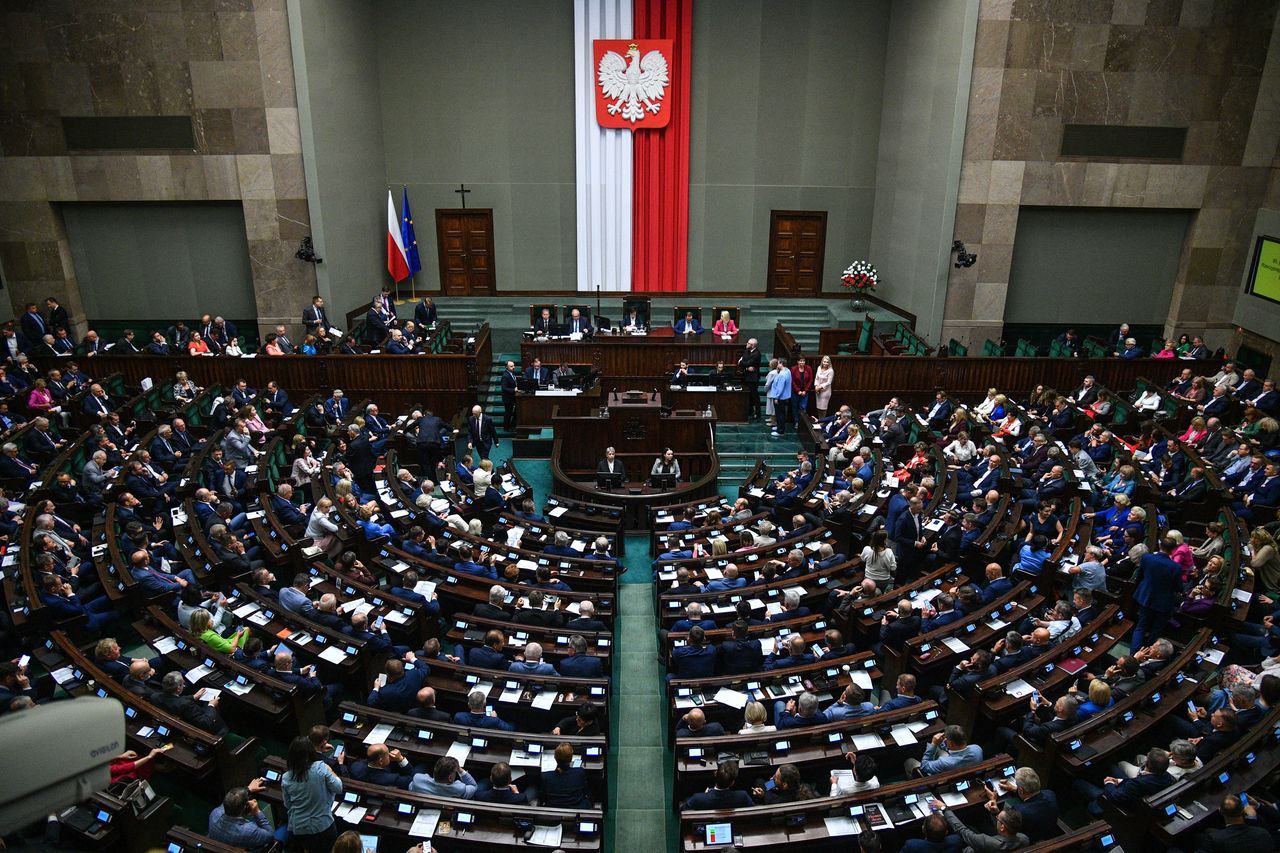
635, 427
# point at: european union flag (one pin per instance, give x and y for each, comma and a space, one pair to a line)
406, 233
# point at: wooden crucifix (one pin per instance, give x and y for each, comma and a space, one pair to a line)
462, 193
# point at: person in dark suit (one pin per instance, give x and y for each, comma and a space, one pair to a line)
426, 708
694, 724
477, 717
1237, 836
202, 715
491, 654
1127, 793
565, 787
938, 837
360, 459
687, 325
580, 664
586, 620
543, 323
480, 432
538, 373
1038, 806
899, 625
509, 380
430, 434
313, 316
34, 327
722, 794
577, 324
1157, 592
1044, 719
740, 654
498, 788
58, 319
383, 766
400, 693
494, 607
425, 313
695, 659
749, 370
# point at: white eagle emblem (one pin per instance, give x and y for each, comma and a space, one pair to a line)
627, 86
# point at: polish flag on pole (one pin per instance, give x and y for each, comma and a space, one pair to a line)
397, 260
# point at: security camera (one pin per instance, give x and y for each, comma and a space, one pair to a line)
307, 252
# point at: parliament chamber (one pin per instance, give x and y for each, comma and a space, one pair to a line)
786, 426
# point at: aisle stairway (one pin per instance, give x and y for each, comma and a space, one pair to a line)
739, 446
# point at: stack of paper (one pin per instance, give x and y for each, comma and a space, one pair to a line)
732, 698
378, 734
460, 751
546, 836
198, 673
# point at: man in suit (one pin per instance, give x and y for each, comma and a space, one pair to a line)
383, 766
1267, 400
509, 380
586, 620
426, 708
361, 459
1236, 835
580, 664
429, 436
337, 408
275, 401
899, 625
1157, 592
1127, 793
723, 794
543, 323
740, 654
493, 608
203, 715
694, 724
695, 659
64, 604
577, 324
400, 692
1045, 718
1265, 492
749, 370
58, 318
909, 541
481, 435
538, 373
313, 316
1218, 404
491, 654
33, 326
687, 325
477, 717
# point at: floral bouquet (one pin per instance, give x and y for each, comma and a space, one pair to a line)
861, 277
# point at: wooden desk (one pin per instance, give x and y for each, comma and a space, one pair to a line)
534, 410
654, 354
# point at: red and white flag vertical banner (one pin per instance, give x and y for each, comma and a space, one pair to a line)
397, 260
604, 162
660, 194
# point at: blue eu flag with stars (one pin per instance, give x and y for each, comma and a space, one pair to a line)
406, 234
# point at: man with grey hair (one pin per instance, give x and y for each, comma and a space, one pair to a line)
202, 715
495, 607
1008, 830
1090, 573
531, 662
798, 712
790, 607
13, 466
1039, 808
239, 822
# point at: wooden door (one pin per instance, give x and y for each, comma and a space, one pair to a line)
797, 242
465, 239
